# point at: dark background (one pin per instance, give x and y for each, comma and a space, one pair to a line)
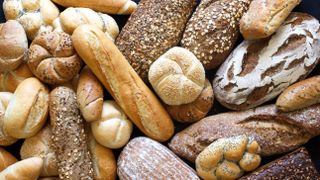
308, 6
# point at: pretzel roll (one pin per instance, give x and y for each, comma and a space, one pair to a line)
177, 76
53, 59
113, 130
89, 95
6, 159
35, 16
27, 110
228, 158
5, 139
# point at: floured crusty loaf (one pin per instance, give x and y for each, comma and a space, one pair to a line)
143, 158
213, 30
6, 159
276, 132
5, 138
258, 71
52, 58
177, 76
35, 16
155, 27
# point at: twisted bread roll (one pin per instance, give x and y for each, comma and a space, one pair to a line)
5, 138
113, 130
71, 18
106, 6
13, 45
35, 16
177, 76
6, 159
228, 158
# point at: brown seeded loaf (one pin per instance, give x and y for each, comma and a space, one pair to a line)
6, 159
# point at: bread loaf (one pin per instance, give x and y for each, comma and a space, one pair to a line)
300, 95
143, 158
258, 71
177, 76
71, 18
69, 140
106, 6
27, 111
52, 58
213, 30
128, 90
11, 79
196, 110
13, 45
40, 145
276, 132
113, 129
89, 95
5, 138
6, 159
34, 16
155, 27
264, 17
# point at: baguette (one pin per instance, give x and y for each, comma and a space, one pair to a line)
6, 159
126, 87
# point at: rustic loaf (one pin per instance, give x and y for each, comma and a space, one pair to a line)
258, 71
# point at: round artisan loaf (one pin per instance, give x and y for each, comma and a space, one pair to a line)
6, 159
27, 110
53, 59
177, 76
113, 130
13, 45
5, 139
35, 16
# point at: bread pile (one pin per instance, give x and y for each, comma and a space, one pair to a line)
80, 91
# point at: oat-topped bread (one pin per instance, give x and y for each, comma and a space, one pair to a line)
213, 30
151, 30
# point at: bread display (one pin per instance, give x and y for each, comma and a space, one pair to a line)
69, 140
71, 18
27, 111
143, 158
300, 95
13, 45
34, 16
23, 170
177, 76
52, 58
155, 27
276, 132
6, 159
228, 158
106, 6
196, 110
129, 91
89, 95
213, 30
296, 165
264, 17
40, 145
258, 71
5, 138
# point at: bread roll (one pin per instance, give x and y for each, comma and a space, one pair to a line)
113, 130
106, 6
264, 17
28, 109
300, 95
6, 159
71, 18
34, 16
40, 145
5, 138
11, 79
213, 30
89, 95
69, 140
196, 110
13, 45
5, 97
53, 59
28, 169
128, 90
49, 178
177, 76
155, 27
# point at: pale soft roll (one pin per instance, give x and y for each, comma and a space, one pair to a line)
35, 16
27, 110
177, 76
5, 139
6, 159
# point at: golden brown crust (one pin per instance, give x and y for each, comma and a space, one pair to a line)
5, 138
6, 159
